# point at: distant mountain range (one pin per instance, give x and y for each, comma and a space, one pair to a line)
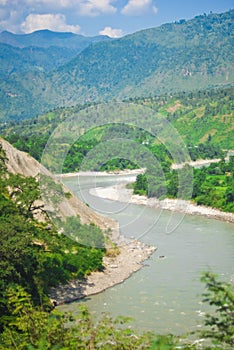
46, 38
37, 73
42, 50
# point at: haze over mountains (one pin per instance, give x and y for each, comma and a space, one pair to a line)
43, 70
42, 50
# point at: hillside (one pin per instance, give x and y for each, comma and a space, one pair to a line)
21, 163
204, 120
35, 59
35, 256
182, 56
174, 57
40, 51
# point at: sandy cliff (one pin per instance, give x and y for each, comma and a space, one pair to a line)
22, 163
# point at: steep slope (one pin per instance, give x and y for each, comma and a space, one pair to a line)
182, 56
21, 163
20, 60
178, 56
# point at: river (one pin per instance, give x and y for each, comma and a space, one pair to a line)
165, 295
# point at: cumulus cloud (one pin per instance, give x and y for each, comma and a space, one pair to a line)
54, 22
9, 20
139, 7
82, 7
112, 33
38, 14
97, 7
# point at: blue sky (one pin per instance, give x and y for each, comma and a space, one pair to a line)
92, 17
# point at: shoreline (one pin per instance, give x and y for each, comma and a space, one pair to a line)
133, 253
122, 194
102, 173
117, 269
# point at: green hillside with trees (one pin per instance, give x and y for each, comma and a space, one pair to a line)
204, 120
181, 56
33, 255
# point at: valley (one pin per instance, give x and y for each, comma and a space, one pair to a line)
117, 185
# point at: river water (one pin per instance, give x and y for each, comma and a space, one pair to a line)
165, 295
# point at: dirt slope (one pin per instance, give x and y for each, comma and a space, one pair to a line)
21, 163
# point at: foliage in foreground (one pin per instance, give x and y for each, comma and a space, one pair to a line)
31, 327
33, 255
219, 324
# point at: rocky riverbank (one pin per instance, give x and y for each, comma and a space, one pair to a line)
121, 193
116, 270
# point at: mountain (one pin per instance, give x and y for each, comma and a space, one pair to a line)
42, 50
181, 56
47, 38
177, 56
34, 59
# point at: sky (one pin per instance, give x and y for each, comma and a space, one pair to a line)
114, 18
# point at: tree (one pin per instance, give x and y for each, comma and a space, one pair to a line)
220, 323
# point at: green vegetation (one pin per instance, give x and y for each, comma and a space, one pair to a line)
182, 56
220, 323
32, 327
33, 255
201, 117
212, 185
204, 120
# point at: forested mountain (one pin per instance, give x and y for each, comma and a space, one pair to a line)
34, 59
42, 50
47, 38
181, 56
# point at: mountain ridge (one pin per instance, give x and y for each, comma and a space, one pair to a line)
184, 56
42, 38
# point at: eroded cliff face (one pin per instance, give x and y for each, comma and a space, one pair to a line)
19, 162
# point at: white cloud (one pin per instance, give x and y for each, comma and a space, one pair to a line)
96, 7
82, 7
53, 3
112, 33
9, 20
54, 22
139, 7
3, 2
